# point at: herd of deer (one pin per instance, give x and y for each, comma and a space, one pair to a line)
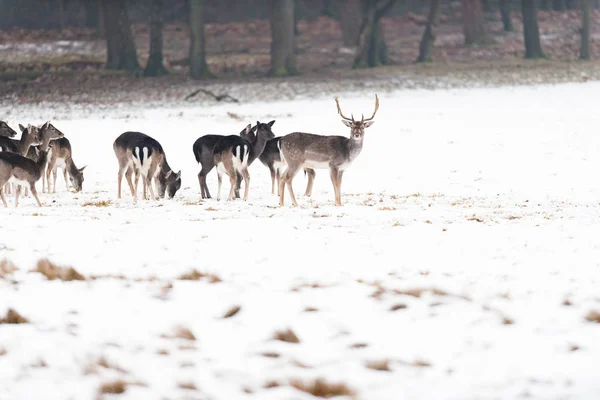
43, 149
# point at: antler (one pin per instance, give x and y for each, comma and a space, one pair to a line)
340, 111
374, 112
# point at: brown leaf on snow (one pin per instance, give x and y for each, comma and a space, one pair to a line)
378, 365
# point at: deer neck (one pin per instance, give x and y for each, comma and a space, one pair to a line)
354, 147
24, 144
258, 147
42, 159
70, 165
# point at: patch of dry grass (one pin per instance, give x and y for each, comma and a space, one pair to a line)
359, 345
6, 268
271, 354
323, 389
232, 311
3, 351
286, 336
187, 386
398, 306
378, 365
181, 332
113, 387
271, 384
593, 316
92, 368
195, 275
13, 317
387, 208
53, 271
101, 203
420, 363
311, 309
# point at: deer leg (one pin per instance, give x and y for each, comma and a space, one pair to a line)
232, 181
17, 194
54, 175
2, 196
34, 193
65, 173
204, 193
287, 177
238, 184
133, 189
311, 178
246, 182
336, 181
220, 179
339, 184
119, 179
272, 171
278, 176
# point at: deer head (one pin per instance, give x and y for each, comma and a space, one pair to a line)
357, 128
6, 130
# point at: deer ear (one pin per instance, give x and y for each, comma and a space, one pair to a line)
369, 123
179, 174
168, 174
271, 123
248, 128
22, 128
347, 123
46, 125
82, 168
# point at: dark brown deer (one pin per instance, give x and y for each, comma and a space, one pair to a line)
139, 153
233, 155
24, 171
19, 146
205, 157
336, 153
6, 131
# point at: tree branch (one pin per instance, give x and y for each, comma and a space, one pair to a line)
218, 97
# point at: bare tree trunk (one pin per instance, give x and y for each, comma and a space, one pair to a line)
283, 59
473, 22
584, 53
531, 31
559, 5
155, 66
120, 47
61, 14
372, 49
505, 13
349, 11
198, 66
92, 13
428, 39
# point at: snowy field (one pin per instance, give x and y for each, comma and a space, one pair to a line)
461, 266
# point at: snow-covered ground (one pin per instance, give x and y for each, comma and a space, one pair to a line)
466, 255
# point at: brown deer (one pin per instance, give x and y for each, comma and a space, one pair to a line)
61, 157
336, 153
24, 171
271, 158
19, 146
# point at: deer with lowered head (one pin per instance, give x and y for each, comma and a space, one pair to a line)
233, 155
143, 155
24, 171
61, 156
336, 153
205, 157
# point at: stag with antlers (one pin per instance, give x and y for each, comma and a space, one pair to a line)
336, 153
